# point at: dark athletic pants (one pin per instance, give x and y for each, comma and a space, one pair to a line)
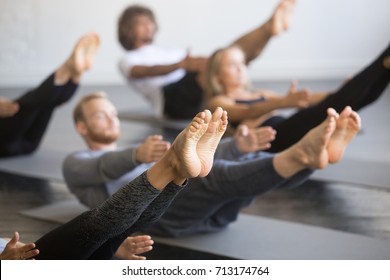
360, 91
183, 99
23, 132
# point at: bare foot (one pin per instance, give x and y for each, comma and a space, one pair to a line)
184, 147
81, 59
84, 53
310, 152
312, 148
192, 152
8, 108
195, 146
210, 140
347, 126
281, 18
386, 62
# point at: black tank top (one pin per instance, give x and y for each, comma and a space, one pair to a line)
247, 102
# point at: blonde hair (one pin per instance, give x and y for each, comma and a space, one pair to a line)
78, 113
213, 85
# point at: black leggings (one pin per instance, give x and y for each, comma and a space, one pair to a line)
360, 91
183, 99
23, 132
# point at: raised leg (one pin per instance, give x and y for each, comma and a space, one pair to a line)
255, 41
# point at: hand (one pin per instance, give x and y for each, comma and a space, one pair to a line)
193, 64
152, 149
254, 139
297, 98
133, 246
15, 250
8, 108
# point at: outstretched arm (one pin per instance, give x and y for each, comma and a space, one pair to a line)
143, 71
239, 112
188, 63
84, 169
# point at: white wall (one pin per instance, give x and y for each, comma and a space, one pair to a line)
327, 39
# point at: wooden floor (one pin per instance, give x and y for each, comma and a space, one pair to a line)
352, 207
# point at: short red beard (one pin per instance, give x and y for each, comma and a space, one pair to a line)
103, 139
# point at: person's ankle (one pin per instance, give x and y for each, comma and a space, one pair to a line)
386, 62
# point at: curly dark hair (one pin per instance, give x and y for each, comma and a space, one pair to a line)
125, 24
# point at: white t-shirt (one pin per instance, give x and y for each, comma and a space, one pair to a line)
151, 87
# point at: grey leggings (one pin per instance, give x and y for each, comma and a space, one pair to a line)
97, 234
211, 203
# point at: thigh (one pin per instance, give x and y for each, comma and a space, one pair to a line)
13, 131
